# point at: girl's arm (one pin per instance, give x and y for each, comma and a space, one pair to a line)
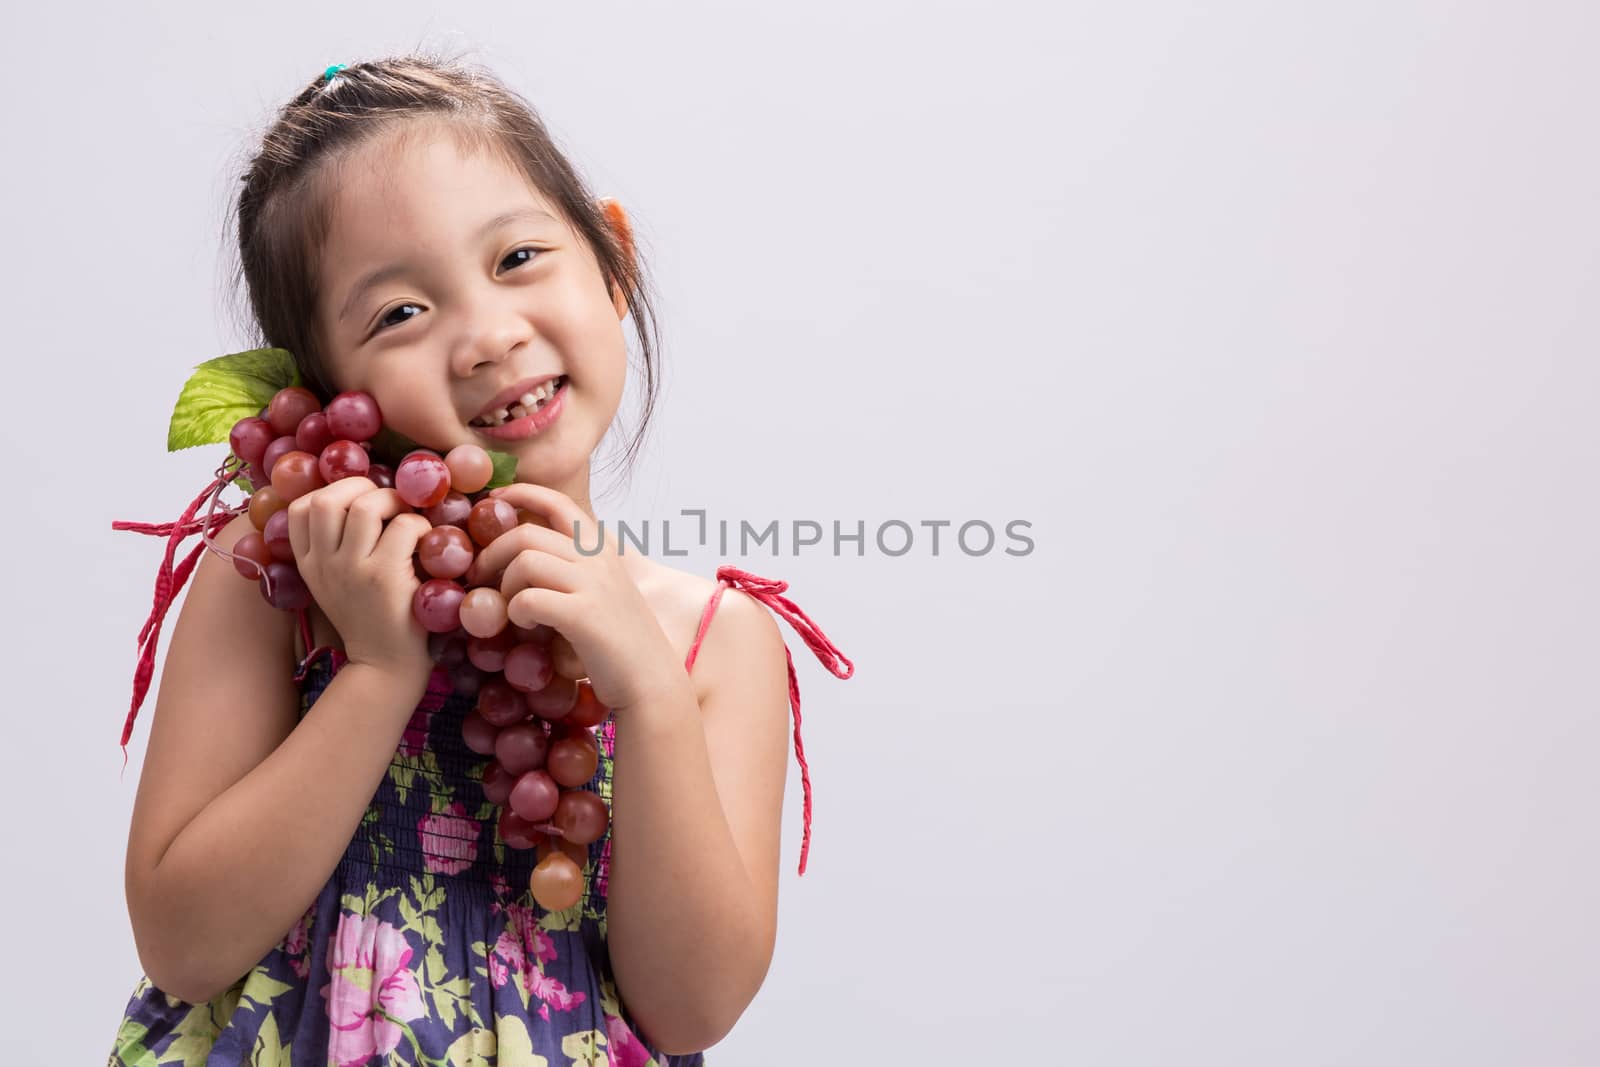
242, 815
696, 813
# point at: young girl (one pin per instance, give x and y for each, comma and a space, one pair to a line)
313, 873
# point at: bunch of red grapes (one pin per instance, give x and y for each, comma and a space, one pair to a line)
535, 713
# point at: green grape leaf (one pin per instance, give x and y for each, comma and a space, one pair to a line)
224, 390
505, 469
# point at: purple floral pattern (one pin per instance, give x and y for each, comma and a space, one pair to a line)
424, 946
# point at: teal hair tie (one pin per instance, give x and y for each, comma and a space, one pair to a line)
328, 74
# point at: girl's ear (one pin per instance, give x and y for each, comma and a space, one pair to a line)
622, 230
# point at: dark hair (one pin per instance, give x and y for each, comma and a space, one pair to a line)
282, 209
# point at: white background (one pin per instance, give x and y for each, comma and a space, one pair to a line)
1277, 321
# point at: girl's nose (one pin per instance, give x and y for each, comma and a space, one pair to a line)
493, 335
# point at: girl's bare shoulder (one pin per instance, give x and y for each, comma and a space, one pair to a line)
677, 597
742, 627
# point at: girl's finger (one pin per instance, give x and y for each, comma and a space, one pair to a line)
299, 512
534, 607
560, 509
326, 522
368, 512
398, 542
537, 570
495, 556
329, 507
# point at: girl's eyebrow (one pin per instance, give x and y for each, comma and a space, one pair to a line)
390, 270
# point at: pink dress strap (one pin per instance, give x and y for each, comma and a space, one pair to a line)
770, 592
170, 581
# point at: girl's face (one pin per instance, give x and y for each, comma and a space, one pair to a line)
450, 288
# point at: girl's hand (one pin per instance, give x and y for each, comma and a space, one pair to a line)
589, 599
360, 572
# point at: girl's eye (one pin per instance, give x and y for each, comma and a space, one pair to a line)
389, 319
521, 256
384, 322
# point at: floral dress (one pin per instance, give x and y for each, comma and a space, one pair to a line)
425, 945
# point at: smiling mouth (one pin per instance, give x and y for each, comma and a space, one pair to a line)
529, 403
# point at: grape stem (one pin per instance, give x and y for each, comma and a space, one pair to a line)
231, 468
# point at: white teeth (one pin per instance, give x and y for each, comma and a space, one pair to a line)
494, 418
531, 401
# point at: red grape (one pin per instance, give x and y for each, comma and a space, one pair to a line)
251, 555
451, 511
354, 416
587, 712
490, 518
422, 479
555, 700
342, 459
437, 605
445, 552
447, 650
573, 759
580, 815
489, 653
313, 435
556, 882
264, 503
276, 534
382, 475
250, 437
296, 474
284, 588
497, 782
479, 733
527, 667
518, 832
289, 406
279, 448
522, 746
500, 704
483, 613
535, 796
470, 468
465, 679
